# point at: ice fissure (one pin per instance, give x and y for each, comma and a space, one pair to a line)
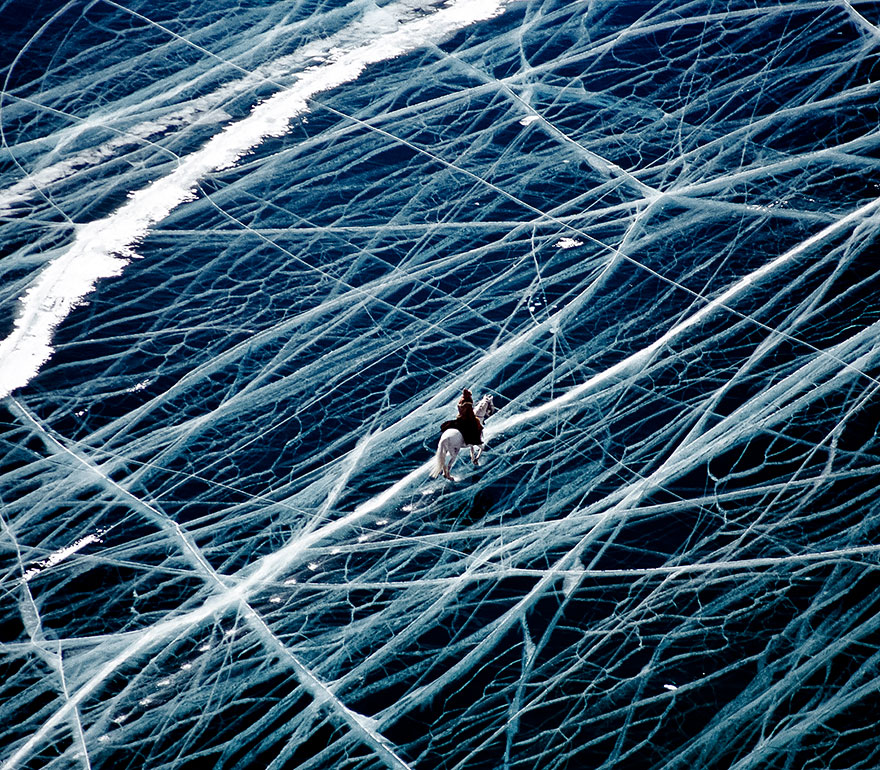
251, 254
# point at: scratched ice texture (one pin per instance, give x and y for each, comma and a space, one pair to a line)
251, 251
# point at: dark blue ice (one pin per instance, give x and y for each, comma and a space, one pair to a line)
249, 256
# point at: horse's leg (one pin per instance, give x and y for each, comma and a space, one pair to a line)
453, 455
454, 447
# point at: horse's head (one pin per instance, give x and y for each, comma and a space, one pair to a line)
486, 407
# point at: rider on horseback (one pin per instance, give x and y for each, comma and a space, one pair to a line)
464, 430
467, 423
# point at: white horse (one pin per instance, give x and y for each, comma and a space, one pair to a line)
452, 442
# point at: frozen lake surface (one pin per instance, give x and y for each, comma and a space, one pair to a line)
249, 255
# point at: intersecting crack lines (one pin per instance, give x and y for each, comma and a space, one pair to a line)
227, 596
704, 510
799, 387
53, 658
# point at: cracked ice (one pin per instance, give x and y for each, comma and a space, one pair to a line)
250, 256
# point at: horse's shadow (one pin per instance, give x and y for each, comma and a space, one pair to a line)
476, 494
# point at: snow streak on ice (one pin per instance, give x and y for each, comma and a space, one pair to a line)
103, 247
648, 229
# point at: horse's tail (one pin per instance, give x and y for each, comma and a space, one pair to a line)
438, 460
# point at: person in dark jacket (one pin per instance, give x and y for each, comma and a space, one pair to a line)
467, 423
